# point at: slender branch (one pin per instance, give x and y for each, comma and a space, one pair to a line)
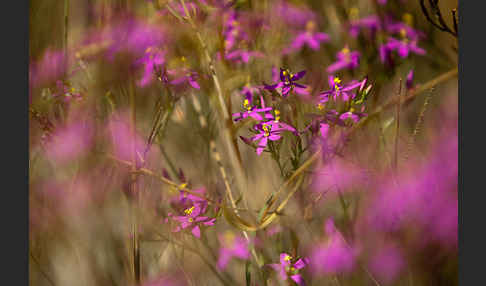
412, 94
397, 131
49, 279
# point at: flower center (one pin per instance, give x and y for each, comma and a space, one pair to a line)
320, 106
266, 128
277, 115
189, 211
337, 81
287, 258
246, 104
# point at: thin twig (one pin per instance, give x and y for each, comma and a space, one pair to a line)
412, 94
49, 279
397, 130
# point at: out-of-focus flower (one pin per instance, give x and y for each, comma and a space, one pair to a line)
345, 59
309, 37
232, 246
70, 142
152, 61
130, 35
371, 23
386, 263
409, 82
425, 197
50, 67
286, 269
292, 15
404, 47
241, 55
287, 82
122, 138
338, 175
184, 76
334, 255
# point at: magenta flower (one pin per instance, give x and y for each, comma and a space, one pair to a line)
193, 218
232, 31
152, 61
345, 59
132, 36
404, 47
309, 37
409, 82
241, 55
186, 198
288, 269
295, 16
332, 256
51, 67
253, 111
344, 91
371, 23
184, 76
70, 142
387, 263
355, 116
403, 29
287, 82
232, 246
270, 130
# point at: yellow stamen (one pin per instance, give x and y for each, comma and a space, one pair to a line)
183, 59
345, 50
277, 115
320, 106
189, 210
337, 80
288, 258
266, 130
